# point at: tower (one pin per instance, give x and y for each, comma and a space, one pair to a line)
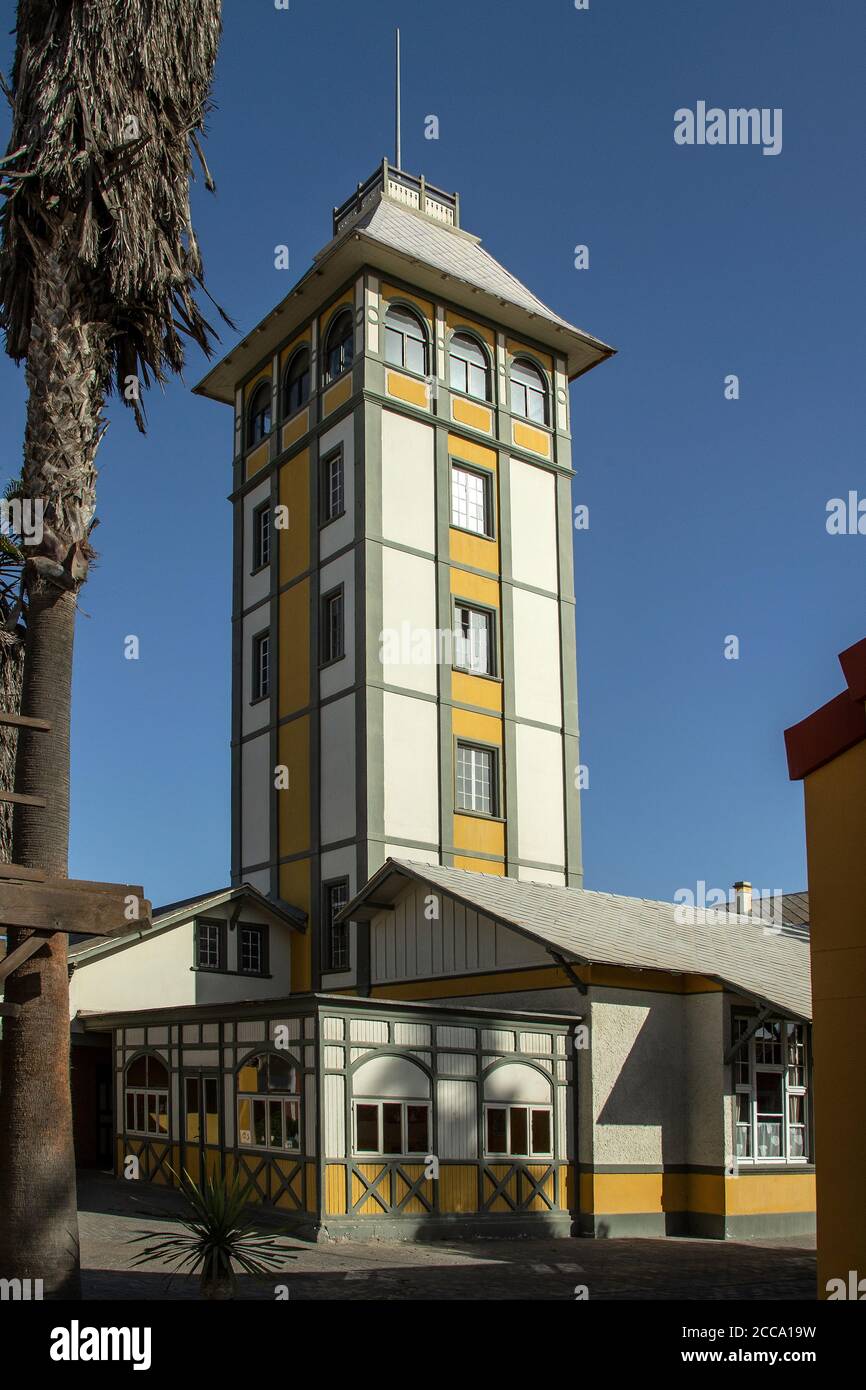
404, 664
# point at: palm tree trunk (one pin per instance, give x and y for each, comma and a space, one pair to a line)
11, 671
39, 1229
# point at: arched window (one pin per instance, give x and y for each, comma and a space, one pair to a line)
269, 1103
405, 340
147, 1096
340, 348
469, 367
296, 391
518, 1112
391, 1107
260, 414
528, 391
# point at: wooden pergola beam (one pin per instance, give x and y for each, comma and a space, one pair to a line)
65, 905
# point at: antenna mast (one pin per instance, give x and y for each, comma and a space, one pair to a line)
397, 123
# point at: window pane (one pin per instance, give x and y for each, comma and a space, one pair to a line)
130, 1112
768, 1089
136, 1072
743, 1121
474, 779
541, 1132
536, 406
519, 1135
245, 1133
478, 382
469, 501
417, 1135
367, 1128
192, 1116
497, 1132
415, 355
292, 1112
392, 1128
139, 1112
281, 1075
457, 374
260, 1123
393, 347
275, 1129
211, 1110
162, 1114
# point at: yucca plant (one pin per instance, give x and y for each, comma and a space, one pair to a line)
217, 1237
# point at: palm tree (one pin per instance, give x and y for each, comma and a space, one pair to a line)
99, 268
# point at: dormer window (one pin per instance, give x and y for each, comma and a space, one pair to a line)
468, 367
340, 348
528, 391
296, 391
259, 426
405, 340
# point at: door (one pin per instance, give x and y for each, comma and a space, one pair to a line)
202, 1130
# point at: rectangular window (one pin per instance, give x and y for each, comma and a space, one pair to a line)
333, 494
770, 1099
335, 934
333, 648
392, 1127
470, 501
261, 666
252, 951
262, 536
473, 640
476, 779
521, 1131
208, 946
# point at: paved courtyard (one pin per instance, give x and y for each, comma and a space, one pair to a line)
112, 1212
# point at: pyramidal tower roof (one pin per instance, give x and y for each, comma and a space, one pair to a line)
399, 224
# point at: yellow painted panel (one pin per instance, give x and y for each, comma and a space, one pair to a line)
527, 437
287, 352
475, 690
567, 1188
295, 533
295, 889
454, 322
479, 417
704, 1192
231, 1167
337, 394
587, 1193
391, 292
294, 648
370, 1171
406, 388
479, 866
470, 452
311, 1203
257, 459
414, 1207
335, 1189
536, 1203
458, 1187
465, 723
212, 1162
294, 428
748, 1195
325, 319
480, 553
478, 835
515, 348
475, 587
293, 803
627, 1192
499, 1170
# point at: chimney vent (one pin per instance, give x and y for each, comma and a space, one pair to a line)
743, 898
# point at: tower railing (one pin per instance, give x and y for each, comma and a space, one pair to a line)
409, 189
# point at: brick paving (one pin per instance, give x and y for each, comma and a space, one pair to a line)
113, 1211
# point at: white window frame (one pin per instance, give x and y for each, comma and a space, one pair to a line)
465, 644
463, 746
471, 500
258, 935
261, 537
261, 665
403, 1102
529, 1107
267, 1098
203, 932
744, 1072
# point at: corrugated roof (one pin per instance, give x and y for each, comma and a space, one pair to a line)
767, 963
453, 252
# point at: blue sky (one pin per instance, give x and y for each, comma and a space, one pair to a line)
707, 516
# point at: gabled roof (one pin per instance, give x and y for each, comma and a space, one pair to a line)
767, 963
172, 914
435, 257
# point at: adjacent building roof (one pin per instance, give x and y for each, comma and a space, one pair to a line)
747, 955
836, 726
174, 913
384, 232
